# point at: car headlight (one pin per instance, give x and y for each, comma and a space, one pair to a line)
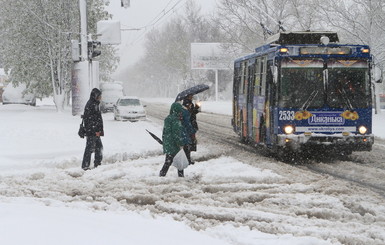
362, 130
288, 129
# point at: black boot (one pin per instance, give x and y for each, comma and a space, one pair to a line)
164, 170
166, 165
180, 173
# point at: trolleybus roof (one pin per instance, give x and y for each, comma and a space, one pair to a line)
304, 37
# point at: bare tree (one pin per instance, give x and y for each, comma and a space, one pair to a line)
358, 21
165, 68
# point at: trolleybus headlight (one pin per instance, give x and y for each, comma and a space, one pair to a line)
283, 50
365, 50
288, 129
362, 130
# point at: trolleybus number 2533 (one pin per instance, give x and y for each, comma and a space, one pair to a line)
305, 91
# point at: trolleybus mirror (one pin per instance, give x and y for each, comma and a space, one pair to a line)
377, 75
275, 74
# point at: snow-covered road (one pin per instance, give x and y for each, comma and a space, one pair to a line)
322, 192
232, 194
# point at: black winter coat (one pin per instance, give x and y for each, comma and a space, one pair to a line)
194, 110
92, 116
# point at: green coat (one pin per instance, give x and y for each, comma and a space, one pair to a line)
172, 130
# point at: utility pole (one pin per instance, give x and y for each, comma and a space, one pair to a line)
85, 76
85, 72
83, 28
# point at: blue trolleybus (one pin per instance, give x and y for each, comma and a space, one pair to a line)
304, 91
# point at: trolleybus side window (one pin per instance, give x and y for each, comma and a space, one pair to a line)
242, 87
245, 77
269, 79
237, 72
257, 79
251, 79
263, 76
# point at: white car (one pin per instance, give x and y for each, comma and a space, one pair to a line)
16, 95
111, 92
129, 108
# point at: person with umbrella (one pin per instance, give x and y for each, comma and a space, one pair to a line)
194, 110
191, 91
188, 132
186, 97
172, 137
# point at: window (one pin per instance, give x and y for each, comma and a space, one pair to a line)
257, 80
129, 102
245, 76
241, 84
263, 76
348, 85
301, 84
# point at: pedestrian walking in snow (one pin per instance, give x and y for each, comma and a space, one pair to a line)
93, 123
188, 132
172, 137
194, 110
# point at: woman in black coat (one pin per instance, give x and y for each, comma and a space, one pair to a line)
194, 110
93, 123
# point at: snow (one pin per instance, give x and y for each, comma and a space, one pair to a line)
378, 124
221, 107
26, 223
45, 198
15, 94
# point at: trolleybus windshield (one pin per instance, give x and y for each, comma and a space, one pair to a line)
348, 84
301, 84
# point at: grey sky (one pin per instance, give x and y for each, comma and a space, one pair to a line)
145, 14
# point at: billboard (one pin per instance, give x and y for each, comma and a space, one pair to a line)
108, 31
210, 56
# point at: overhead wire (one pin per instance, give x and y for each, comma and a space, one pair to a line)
162, 11
164, 14
157, 20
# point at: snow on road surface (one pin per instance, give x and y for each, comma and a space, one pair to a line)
228, 197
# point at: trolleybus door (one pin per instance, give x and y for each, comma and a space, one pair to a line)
258, 101
242, 100
250, 96
268, 85
265, 93
236, 90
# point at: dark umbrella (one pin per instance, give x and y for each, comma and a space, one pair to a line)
155, 137
193, 90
